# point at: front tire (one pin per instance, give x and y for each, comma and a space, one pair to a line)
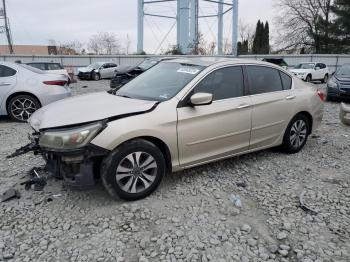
21, 107
308, 78
296, 134
325, 78
96, 76
133, 170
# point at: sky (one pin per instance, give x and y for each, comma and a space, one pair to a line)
38, 21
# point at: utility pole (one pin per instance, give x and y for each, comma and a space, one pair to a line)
7, 29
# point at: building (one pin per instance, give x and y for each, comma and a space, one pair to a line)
25, 50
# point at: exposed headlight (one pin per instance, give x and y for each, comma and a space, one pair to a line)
71, 138
332, 83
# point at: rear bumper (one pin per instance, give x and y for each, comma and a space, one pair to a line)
55, 95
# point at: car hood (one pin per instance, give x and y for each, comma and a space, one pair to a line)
299, 70
86, 108
85, 69
124, 69
342, 78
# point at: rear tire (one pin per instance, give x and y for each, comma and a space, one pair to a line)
21, 107
133, 170
296, 134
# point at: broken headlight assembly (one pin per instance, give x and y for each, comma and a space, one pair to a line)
71, 138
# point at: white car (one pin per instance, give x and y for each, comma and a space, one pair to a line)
97, 71
50, 67
311, 71
24, 89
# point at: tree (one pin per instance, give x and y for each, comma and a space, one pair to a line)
246, 32
261, 43
174, 50
265, 45
304, 23
104, 43
341, 26
242, 47
70, 48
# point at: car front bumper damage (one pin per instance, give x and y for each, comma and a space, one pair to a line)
78, 168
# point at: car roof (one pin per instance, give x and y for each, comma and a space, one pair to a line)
208, 61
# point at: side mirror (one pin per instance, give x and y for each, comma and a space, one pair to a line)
201, 99
317, 68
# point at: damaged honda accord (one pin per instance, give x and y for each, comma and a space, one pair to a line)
179, 114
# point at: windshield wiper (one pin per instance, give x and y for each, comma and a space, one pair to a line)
124, 96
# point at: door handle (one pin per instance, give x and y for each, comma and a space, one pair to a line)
290, 97
243, 106
4, 84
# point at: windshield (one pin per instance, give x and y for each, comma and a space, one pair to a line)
344, 70
305, 66
161, 82
95, 65
147, 64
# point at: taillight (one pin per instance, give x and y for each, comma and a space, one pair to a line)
55, 83
321, 95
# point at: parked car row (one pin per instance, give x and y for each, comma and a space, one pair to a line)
97, 71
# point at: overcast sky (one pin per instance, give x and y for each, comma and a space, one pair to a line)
37, 21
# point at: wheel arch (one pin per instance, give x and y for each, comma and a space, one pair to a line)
18, 94
163, 147
308, 116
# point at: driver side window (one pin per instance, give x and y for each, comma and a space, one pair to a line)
223, 83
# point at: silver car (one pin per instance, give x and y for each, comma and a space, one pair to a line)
97, 71
24, 89
179, 114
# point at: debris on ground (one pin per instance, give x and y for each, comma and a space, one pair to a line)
304, 206
236, 200
10, 194
36, 182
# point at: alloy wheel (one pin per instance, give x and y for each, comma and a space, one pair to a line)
298, 133
23, 108
136, 172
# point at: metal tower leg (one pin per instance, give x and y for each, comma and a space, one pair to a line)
234, 26
183, 25
220, 25
140, 7
194, 24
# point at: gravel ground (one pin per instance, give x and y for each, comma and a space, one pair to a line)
191, 217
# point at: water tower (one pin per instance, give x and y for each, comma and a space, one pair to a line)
187, 20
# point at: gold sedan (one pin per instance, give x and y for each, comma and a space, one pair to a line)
179, 114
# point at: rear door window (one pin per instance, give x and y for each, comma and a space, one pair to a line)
6, 71
263, 80
286, 81
223, 83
